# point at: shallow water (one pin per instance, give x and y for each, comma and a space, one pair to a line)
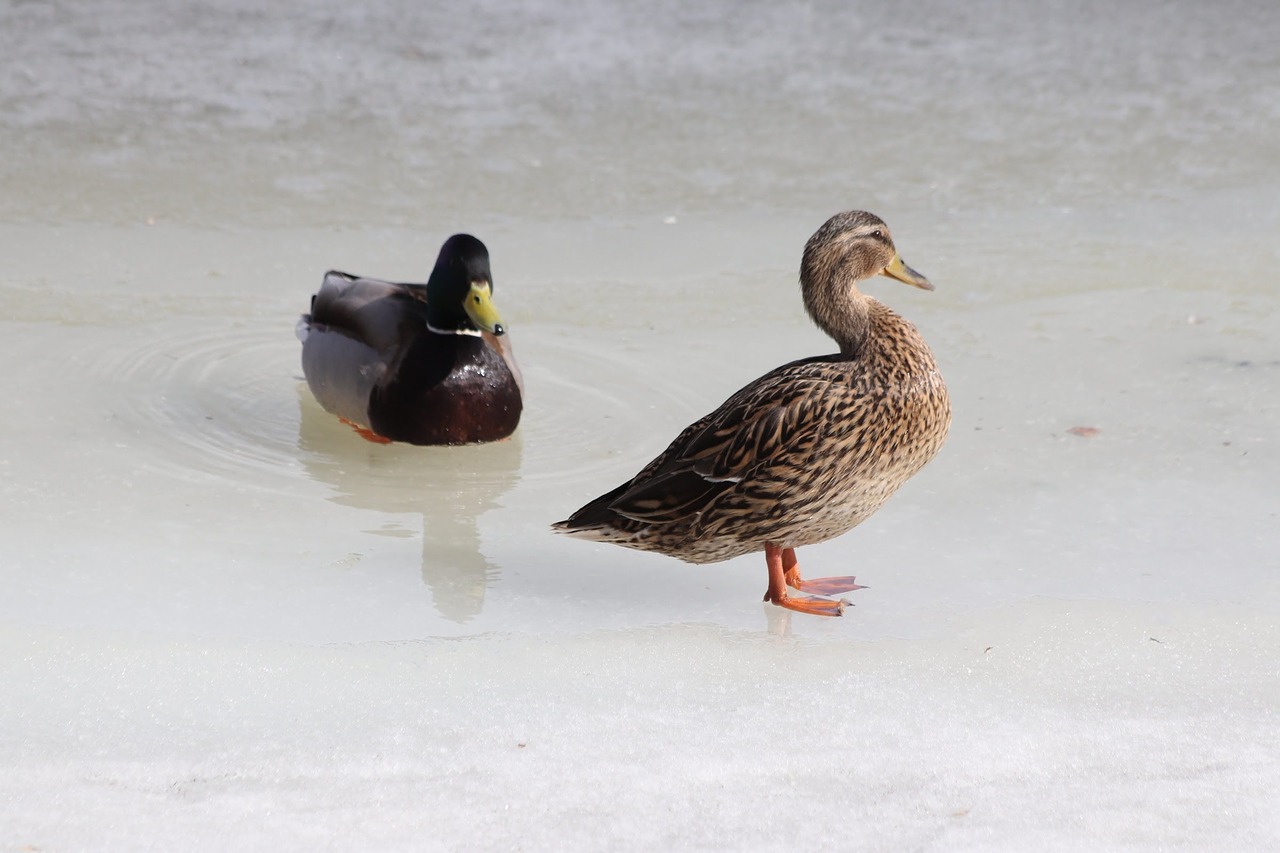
222, 604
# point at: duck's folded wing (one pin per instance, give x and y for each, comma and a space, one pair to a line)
342, 372
761, 435
369, 310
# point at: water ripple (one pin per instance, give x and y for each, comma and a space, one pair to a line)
230, 402
207, 399
594, 410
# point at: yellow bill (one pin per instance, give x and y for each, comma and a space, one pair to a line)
479, 307
903, 273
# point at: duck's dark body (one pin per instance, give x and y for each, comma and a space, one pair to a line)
374, 354
450, 389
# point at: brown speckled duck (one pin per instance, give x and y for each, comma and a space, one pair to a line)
424, 364
805, 452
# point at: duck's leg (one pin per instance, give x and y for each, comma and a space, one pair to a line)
777, 592
818, 586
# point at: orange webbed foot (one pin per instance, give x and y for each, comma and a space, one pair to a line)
366, 433
809, 604
817, 586
784, 572
825, 586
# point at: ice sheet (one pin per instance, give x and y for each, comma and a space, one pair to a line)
228, 622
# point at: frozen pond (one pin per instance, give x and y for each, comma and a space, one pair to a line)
230, 623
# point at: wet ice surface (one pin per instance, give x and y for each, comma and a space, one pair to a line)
228, 621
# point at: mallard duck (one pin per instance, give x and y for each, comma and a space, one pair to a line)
425, 364
805, 452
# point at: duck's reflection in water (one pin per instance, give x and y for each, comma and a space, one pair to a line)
450, 487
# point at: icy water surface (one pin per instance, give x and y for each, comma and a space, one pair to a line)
229, 622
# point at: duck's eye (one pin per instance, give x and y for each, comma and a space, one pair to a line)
878, 234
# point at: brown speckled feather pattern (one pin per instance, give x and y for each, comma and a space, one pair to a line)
799, 456
808, 450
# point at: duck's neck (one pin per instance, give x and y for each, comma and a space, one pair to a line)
444, 322
446, 330
854, 325
844, 313
829, 287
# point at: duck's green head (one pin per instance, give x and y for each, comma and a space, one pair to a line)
460, 290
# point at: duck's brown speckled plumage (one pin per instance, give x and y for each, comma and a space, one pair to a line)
808, 450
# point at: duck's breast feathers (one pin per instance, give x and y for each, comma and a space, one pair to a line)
501, 344
447, 389
376, 312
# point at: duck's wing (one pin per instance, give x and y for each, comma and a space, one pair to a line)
369, 310
765, 434
356, 332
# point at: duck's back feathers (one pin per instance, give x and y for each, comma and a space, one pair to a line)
369, 310
738, 441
